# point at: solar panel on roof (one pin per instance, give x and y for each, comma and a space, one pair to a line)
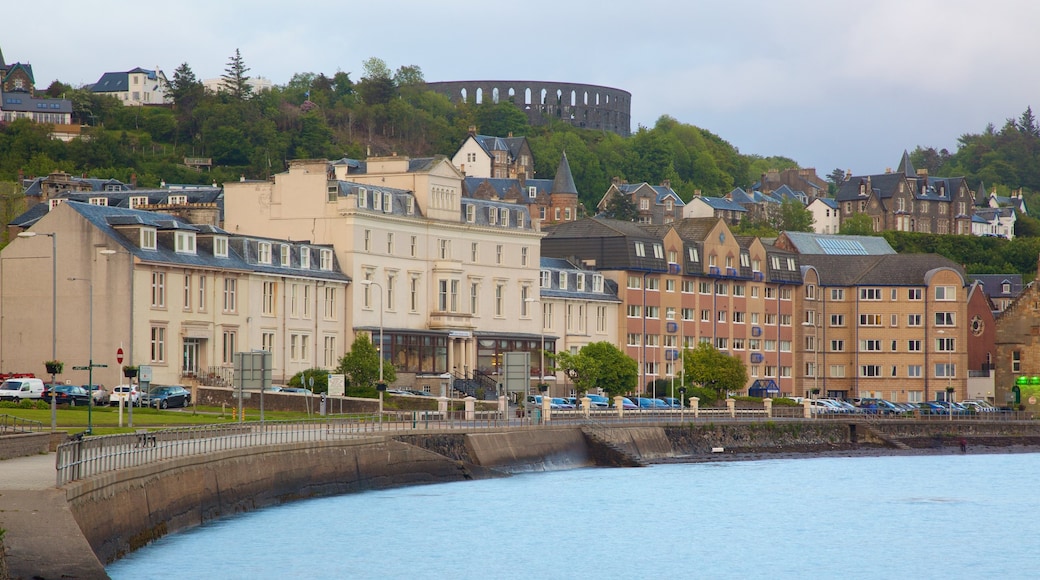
842, 247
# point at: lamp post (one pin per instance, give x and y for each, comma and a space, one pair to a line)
816, 354
381, 387
541, 353
54, 314
90, 355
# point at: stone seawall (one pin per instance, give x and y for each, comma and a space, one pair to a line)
24, 444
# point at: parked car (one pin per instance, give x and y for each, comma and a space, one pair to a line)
294, 390
128, 394
878, 407
561, 403
627, 404
931, 408
672, 402
70, 395
598, 401
101, 394
660, 404
21, 388
163, 397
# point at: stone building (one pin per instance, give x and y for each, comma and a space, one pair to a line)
1017, 380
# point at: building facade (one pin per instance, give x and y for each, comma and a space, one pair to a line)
134, 87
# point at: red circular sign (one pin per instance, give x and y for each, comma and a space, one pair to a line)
119, 355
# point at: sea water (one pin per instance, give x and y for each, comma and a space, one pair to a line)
937, 516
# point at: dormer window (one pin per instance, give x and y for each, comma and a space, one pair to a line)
519, 220
692, 252
1005, 288
220, 246
640, 250
377, 201
147, 241
492, 215
411, 206
546, 279
177, 199
305, 258
658, 251
532, 191
263, 252
185, 242
581, 283
333, 192
597, 283
284, 255
563, 280
362, 197
504, 215
326, 260
388, 203
99, 201
471, 212
137, 201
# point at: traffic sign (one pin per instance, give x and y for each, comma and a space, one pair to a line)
119, 355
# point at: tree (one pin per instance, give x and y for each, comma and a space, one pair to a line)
599, 365
835, 179
185, 88
303, 379
377, 86
234, 81
714, 370
361, 364
857, 224
621, 207
795, 217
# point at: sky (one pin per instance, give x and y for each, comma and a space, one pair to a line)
828, 83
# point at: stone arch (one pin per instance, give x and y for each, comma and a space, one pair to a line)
463, 94
479, 96
527, 96
512, 95
494, 95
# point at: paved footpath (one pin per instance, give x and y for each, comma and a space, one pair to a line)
42, 539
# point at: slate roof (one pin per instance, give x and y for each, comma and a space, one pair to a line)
561, 267
491, 143
242, 250
883, 270
485, 206
661, 192
415, 165
721, 203
118, 82
35, 186
23, 103
399, 204
827, 201
502, 185
993, 284
121, 199
597, 227
564, 180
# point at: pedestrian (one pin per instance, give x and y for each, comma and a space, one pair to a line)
964, 445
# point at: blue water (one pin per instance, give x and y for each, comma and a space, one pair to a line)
943, 516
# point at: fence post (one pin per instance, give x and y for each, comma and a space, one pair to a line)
731, 404
768, 404
695, 406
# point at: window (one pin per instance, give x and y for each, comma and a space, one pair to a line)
785, 320
137, 201
413, 250
294, 299
597, 283
945, 370
1016, 361
837, 346
474, 298
305, 258
837, 371
500, 291
870, 345
738, 289
705, 315
785, 293
721, 289
267, 340
693, 254
471, 213
230, 291
653, 311
738, 317
913, 345
263, 251
580, 286
330, 303
523, 257
202, 293
870, 320
444, 249
492, 216
158, 344
390, 243
945, 344
770, 345
601, 318
325, 259
669, 285
913, 320
653, 284
390, 298
498, 254
633, 311
785, 346
388, 203
563, 280
640, 250
770, 319
837, 294
229, 347
367, 240
147, 238
413, 292
177, 199
944, 318
442, 295
220, 247
158, 290
721, 314
658, 252
721, 343
913, 371
633, 340
870, 293
377, 201
268, 301
687, 287
770, 292
870, 370
704, 287
945, 293
284, 255
545, 280
330, 359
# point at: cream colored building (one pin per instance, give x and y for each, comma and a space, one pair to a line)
886, 326
448, 279
177, 297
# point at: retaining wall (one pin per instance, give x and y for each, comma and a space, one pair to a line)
24, 444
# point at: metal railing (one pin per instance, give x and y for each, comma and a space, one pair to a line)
85, 457
10, 423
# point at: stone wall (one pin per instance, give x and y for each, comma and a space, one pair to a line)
24, 444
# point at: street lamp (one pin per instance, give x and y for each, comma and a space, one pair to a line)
816, 354
54, 314
90, 355
381, 387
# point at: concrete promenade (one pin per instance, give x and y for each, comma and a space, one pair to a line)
34, 513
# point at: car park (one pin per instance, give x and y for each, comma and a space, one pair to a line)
672, 402
562, 404
71, 395
126, 393
627, 404
21, 388
294, 390
598, 401
165, 396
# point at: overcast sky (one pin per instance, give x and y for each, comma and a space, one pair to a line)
828, 83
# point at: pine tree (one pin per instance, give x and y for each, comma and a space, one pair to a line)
234, 81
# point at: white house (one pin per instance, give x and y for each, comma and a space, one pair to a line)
826, 215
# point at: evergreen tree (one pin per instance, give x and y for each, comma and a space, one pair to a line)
234, 81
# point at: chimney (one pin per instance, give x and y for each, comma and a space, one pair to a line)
242, 177
666, 183
133, 180
472, 130
509, 135
615, 180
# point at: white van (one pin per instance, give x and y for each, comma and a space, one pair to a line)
22, 388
